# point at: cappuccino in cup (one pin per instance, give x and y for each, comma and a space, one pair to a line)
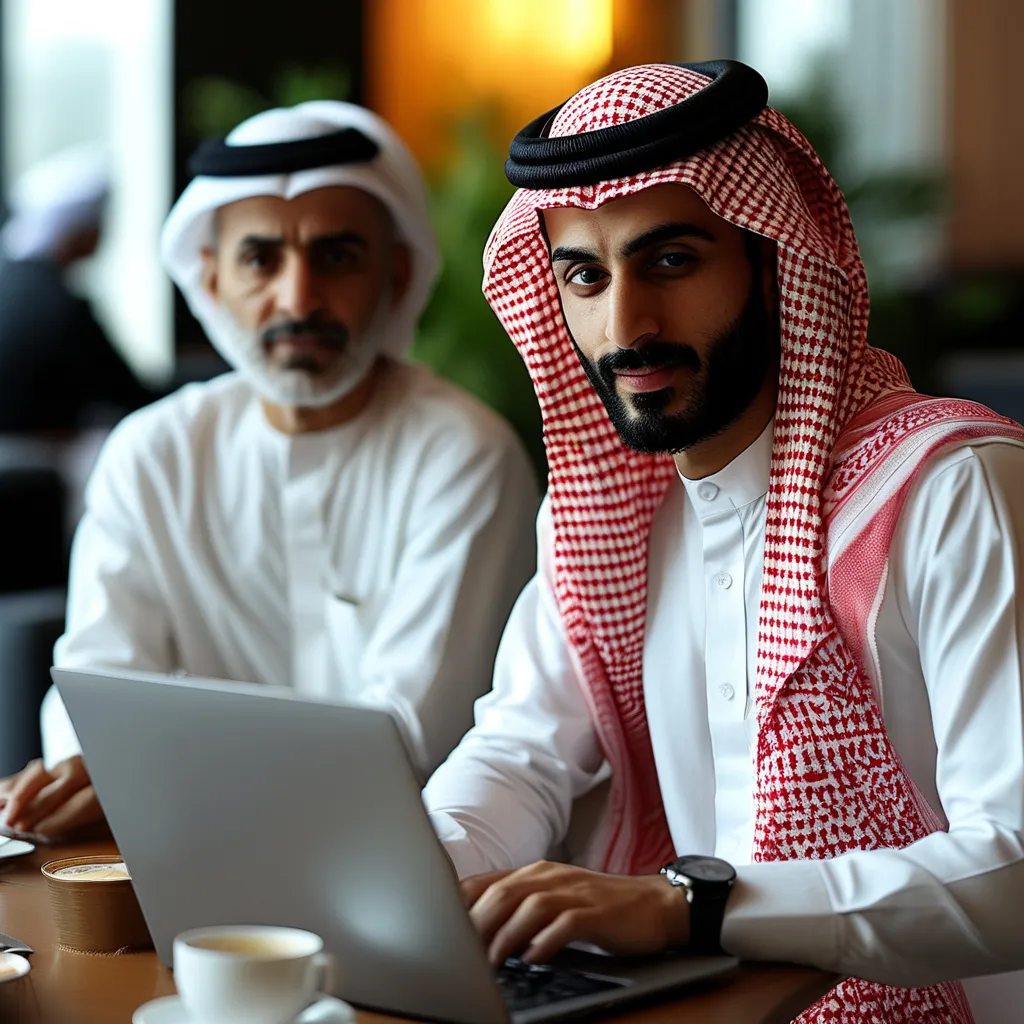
94, 904
93, 872
249, 974
246, 945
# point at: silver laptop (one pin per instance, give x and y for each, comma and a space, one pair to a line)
240, 804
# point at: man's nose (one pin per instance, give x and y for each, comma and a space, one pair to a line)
632, 319
296, 293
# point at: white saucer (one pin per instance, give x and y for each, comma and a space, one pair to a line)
14, 847
326, 1010
20, 966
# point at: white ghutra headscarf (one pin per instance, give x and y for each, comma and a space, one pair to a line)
66, 193
392, 176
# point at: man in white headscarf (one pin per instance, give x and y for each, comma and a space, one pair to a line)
328, 517
58, 369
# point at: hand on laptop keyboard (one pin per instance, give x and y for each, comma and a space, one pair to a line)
524, 985
49, 802
535, 911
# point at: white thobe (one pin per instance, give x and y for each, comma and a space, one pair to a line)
949, 643
376, 561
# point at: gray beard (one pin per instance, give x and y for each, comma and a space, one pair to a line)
299, 383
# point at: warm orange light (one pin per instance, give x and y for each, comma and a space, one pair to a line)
430, 60
575, 35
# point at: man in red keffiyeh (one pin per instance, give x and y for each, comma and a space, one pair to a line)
777, 586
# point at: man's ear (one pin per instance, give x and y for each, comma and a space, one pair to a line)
401, 271
210, 283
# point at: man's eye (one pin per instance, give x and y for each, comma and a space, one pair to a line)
338, 256
586, 276
675, 259
257, 259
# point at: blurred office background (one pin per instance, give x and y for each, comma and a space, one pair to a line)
913, 104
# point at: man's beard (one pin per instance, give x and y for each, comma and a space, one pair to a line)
332, 336
301, 380
724, 384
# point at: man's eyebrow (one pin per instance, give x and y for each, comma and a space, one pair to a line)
665, 233
567, 252
252, 241
661, 233
342, 237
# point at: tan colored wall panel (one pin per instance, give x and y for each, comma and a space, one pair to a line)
986, 104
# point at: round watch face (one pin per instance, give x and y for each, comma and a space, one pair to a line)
706, 869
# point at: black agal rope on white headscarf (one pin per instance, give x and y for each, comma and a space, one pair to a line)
218, 158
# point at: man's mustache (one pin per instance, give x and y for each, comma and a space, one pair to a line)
331, 333
655, 355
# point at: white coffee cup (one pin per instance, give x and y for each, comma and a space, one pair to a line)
249, 974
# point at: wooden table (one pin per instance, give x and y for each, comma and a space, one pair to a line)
78, 988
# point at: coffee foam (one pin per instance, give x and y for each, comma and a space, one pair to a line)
112, 872
247, 945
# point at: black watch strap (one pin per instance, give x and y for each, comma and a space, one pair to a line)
706, 916
708, 882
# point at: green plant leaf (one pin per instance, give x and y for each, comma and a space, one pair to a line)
214, 105
295, 84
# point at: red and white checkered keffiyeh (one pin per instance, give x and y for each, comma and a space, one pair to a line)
848, 427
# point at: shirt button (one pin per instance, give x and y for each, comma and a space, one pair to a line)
727, 691
724, 580
707, 491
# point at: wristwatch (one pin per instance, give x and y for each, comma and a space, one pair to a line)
708, 882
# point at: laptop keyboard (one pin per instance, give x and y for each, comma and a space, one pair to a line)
524, 986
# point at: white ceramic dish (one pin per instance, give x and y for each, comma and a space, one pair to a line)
14, 847
169, 1010
13, 967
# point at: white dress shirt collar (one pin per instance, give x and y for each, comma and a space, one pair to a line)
742, 481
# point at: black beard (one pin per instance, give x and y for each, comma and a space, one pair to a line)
726, 382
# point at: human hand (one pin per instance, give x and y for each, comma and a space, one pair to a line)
538, 909
50, 803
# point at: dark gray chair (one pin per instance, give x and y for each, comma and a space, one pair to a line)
33, 509
33, 581
30, 624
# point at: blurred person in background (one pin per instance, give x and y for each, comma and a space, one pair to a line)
780, 592
59, 371
327, 517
